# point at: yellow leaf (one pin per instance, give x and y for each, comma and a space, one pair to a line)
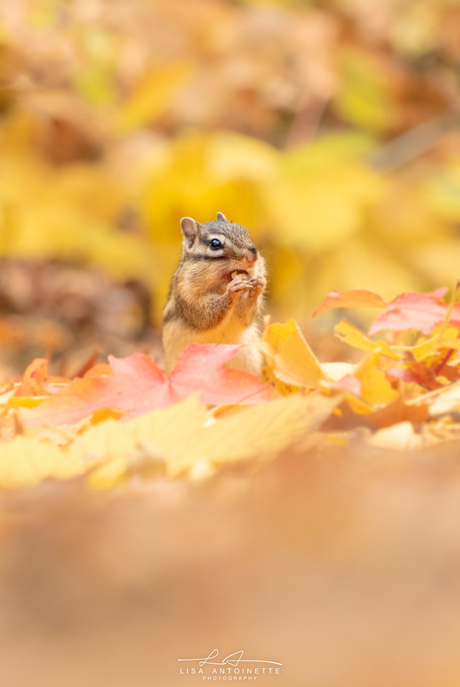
259, 433
423, 350
274, 337
151, 97
353, 337
26, 401
233, 156
448, 343
184, 439
359, 406
443, 190
319, 200
291, 357
365, 97
268, 376
116, 449
375, 388
25, 461
448, 340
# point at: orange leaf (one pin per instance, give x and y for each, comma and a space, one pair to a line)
35, 381
351, 299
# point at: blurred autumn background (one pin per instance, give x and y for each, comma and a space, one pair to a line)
329, 128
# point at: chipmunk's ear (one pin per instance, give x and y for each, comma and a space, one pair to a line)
221, 216
189, 229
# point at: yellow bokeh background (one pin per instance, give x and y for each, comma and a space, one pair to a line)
327, 128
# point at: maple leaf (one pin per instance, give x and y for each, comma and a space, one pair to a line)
419, 311
137, 385
351, 299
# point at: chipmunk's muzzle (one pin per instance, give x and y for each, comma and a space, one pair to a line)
246, 266
249, 261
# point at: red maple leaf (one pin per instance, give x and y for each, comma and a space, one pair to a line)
137, 385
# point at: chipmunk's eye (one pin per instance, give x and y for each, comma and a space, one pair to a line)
215, 243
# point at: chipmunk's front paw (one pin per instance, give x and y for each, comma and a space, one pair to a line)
257, 285
239, 284
242, 284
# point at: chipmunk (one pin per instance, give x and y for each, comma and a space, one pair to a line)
216, 293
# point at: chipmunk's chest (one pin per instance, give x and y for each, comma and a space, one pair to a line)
249, 358
229, 331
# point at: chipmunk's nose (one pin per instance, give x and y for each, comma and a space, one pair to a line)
251, 256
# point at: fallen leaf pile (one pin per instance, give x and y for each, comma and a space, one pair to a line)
128, 418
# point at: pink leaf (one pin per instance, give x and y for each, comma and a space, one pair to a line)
420, 311
138, 385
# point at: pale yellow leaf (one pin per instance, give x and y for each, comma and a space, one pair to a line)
403, 436
181, 440
336, 371
260, 433
25, 461
400, 437
447, 401
118, 449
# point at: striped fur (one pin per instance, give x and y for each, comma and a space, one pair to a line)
205, 303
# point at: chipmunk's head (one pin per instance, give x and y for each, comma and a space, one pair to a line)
225, 246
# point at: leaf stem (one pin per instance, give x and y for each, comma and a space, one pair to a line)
444, 361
